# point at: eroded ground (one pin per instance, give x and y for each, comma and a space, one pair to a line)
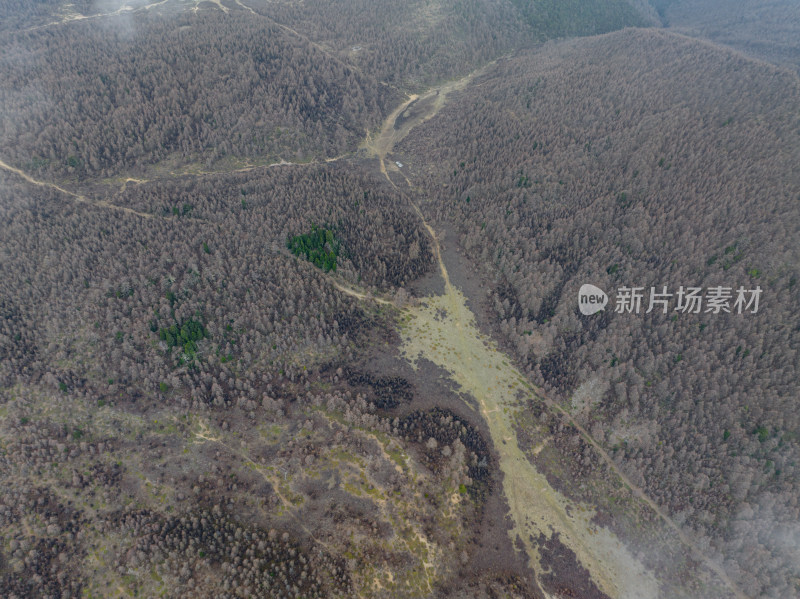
443, 330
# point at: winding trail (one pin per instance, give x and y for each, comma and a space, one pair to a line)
443, 330
455, 343
639, 493
69, 17
76, 196
125, 180
203, 434
391, 133
359, 295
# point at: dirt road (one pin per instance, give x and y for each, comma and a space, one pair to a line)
443, 330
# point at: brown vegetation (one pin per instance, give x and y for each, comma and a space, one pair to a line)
644, 158
189, 409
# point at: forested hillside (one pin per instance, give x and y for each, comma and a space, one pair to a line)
233, 362
419, 43
646, 159
184, 410
769, 30
255, 82
87, 101
569, 18
101, 284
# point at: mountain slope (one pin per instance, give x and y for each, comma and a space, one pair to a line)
647, 159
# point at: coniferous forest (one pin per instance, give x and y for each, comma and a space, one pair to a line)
289, 299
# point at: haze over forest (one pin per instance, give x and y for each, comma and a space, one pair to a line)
289, 298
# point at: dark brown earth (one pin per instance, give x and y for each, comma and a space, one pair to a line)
492, 560
566, 578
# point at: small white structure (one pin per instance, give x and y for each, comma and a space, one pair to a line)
399, 164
